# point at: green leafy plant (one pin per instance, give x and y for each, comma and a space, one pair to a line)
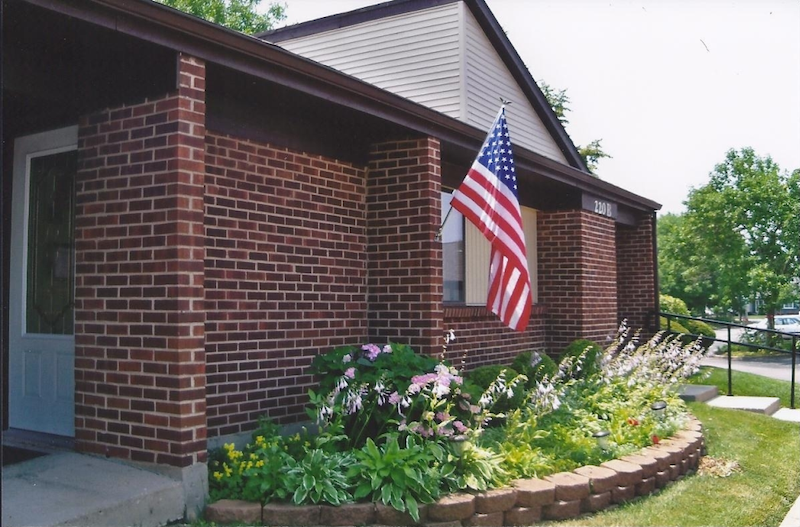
535, 366
401, 477
584, 356
318, 478
474, 468
485, 376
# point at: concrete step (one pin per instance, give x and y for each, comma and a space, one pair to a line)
761, 405
66, 488
788, 414
697, 392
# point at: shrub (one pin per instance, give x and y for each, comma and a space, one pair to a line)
484, 376
698, 327
585, 351
676, 326
670, 304
535, 366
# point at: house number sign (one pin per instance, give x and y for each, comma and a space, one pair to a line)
600, 206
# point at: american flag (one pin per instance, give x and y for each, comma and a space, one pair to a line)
488, 198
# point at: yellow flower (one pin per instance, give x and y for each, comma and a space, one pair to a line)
260, 463
228, 470
260, 441
218, 476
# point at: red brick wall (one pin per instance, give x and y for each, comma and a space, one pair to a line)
481, 338
577, 276
139, 359
636, 272
405, 260
599, 294
285, 275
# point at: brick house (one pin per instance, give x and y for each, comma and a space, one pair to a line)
190, 215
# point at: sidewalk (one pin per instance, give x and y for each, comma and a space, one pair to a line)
66, 488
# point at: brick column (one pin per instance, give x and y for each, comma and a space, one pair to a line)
577, 276
139, 335
636, 269
404, 260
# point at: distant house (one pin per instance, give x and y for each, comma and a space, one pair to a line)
190, 215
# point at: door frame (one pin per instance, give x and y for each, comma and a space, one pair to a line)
26, 148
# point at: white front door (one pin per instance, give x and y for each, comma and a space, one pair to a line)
41, 317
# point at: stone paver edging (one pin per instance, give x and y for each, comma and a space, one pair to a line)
527, 501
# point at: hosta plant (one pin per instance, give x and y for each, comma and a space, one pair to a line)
399, 476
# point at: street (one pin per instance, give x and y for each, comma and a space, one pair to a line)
774, 367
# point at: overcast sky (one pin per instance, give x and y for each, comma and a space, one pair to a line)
668, 85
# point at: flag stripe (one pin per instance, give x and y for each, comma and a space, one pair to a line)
488, 198
496, 228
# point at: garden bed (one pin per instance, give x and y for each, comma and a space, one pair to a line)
556, 497
405, 439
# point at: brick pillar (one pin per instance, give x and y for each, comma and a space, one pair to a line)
139, 335
577, 276
636, 269
404, 260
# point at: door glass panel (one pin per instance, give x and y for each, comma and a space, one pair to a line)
51, 237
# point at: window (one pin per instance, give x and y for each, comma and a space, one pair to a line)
466, 253
452, 252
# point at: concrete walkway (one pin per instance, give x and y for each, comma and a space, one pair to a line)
65, 488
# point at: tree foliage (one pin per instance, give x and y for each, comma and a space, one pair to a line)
240, 15
738, 239
591, 153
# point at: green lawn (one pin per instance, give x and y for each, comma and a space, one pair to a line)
749, 384
761, 493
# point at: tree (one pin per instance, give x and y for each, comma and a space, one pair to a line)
559, 101
745, 220
240, 15
682, 268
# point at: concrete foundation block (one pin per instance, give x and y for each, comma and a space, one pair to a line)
596, 502
496, 500
601, 479
522, 516
453, 507
534, 492
646, 486
569, 486
233, 511
562, 510
492, 519
622, 494
282, 514
629, 474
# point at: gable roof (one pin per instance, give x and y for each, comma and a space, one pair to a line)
295, 35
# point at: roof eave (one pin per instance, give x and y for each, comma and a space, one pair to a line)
184, 33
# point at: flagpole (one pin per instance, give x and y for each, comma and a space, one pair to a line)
503, 104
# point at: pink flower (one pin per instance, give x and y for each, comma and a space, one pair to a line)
350, 373
372, 351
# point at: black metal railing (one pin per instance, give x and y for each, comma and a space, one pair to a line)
749, 331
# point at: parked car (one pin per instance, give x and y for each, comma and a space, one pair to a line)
783, 323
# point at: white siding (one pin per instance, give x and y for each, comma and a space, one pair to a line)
415, 55
437, 57
487, 79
